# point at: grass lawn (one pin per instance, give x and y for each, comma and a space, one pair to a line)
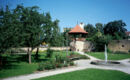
17, 64
90, 74
111, 56
18, 69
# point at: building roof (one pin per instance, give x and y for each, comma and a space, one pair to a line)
127, 33
78, 29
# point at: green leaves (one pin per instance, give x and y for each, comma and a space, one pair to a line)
116, 29
26, 27
90, 29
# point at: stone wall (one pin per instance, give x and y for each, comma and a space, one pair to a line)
119, 45
84, 46
43, 49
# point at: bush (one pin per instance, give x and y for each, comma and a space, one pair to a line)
61, 58
67, 59
53, 63
109, 51
72, 53
120, 52
41, 66
33, 59
60, 65
66, 64
58, 62
71, 63
83, 57
48, 66
49, 53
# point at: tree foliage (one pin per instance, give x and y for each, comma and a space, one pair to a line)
90, 29
116, 29
99, 40
26, 27
99, 27
103, 34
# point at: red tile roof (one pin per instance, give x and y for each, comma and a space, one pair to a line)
78, 29
127, 33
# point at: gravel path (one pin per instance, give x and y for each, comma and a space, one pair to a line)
80, 64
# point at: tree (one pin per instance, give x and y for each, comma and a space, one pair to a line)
90, 29
99, 40
9, 30
52, 35
32, 21
116, 29
21, 27
26, 27
66, 36
99, 27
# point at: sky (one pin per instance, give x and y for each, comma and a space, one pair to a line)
71, 12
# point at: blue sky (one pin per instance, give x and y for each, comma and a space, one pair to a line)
69, 12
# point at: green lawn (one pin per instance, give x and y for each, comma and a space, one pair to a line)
90, 74
17, 64
111, 56
18, 69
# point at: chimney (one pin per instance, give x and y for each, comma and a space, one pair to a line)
82, 25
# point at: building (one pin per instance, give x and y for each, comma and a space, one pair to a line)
78, 37
78, 33
128, 34
66, 29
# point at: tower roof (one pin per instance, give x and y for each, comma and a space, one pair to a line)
78, 29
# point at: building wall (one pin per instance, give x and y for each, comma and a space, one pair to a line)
84, 46
43, 49
119, 45
87, 46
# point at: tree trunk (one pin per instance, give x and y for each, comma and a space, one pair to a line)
29, 55
36, 56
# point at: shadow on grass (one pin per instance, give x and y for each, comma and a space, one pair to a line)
9, 61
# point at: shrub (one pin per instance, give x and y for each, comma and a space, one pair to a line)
50, 65
71, 63
32, 59
61, 58
120, 52
49, 53
109, 51
66, 64
60, 65
72, 53
47, 65
53, 63
67, 59
41, 66
83, 57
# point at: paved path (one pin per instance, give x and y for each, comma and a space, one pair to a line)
91, 57
86, 63
81, 64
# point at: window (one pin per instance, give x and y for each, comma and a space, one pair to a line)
123, 46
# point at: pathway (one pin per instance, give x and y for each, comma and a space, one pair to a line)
81, 64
